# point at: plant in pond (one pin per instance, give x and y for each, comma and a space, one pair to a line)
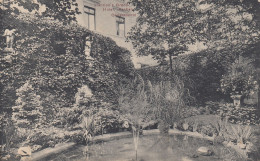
220, 126
88, 125
163, 127
134, 105
226, 153
168, 100
241, 134
136, 140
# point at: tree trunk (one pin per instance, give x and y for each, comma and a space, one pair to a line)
170, 58
258, 91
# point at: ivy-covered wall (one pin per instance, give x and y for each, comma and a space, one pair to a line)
51, 57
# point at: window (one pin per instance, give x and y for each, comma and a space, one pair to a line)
90, 17
120, 26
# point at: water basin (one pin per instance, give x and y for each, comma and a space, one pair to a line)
150, 148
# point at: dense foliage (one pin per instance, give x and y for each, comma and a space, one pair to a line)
27, 112
49, 85
240, 79
63, 10
58, 73
166, 28
206, 73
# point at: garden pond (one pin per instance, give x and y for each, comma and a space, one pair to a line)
150, 148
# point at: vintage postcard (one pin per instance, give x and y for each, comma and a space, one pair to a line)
129, 80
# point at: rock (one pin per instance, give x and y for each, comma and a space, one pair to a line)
185, 126
36, 147
25, 151
125, 124
204, 151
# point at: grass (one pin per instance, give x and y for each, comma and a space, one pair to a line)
203, 119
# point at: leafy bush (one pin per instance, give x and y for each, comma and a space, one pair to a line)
245, 115
240, 79
27, 114
212, 107
107, 121
163, 127
239, 84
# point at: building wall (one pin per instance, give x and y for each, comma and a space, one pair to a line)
105, 19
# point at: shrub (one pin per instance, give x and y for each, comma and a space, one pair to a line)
212, 106
239, 84
240, 79
245, 115
107, 121
163, 127
27, 114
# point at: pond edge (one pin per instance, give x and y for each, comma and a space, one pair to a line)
108, 137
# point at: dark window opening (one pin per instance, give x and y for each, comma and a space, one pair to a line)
90, 17
120, 26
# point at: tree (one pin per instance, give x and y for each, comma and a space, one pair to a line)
166, 28
63, 10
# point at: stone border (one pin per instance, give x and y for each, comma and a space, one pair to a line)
65, 146
50, 151
108, 137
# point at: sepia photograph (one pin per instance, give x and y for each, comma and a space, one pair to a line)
129, 80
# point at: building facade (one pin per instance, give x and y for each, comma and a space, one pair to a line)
111, 18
